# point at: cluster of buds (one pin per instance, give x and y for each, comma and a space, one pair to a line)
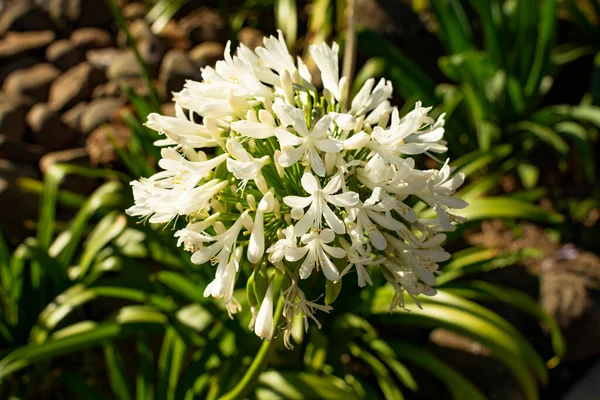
276, 177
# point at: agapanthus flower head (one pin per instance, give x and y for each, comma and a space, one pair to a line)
279, 178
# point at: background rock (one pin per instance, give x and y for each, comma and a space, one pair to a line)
174, 71
48, 129
12, 118
207, 53
72, 118
100, 144
203, 25
63, 54
75, 85
33, 82
250, 37
98, 112
24, 16
24, 43
86, 39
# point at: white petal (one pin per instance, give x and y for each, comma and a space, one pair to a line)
253, 129
310, 183
329, 145
263, 326
297, 202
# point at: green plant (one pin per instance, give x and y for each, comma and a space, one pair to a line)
497, 88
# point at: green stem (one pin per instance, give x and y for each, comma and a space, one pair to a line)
250, 378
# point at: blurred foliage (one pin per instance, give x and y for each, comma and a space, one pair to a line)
105, 287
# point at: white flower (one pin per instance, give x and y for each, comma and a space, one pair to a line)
256, 247
257, 158
263, 326
243, 166
222, 286
280, 248
318, 201
326, 59
224, 242
180, 130
367, 98
309, 142
316, 252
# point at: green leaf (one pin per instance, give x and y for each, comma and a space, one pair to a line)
503, 207
144, 379
124, 325
286, 19
459, 386
170, 363
332, 291
68, 242
382, 375
117, 374
476, 322
455, 29
106, 230
545, 39
408, 79
388, 356
529, 174
545, 134
579, 135
301, 385
481, 291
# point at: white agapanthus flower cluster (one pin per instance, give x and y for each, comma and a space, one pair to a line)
272, 174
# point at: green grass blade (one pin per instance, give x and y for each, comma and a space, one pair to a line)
170, 364
388, 356
455, 28
300, 385
459, 386
481, 291
96, 334
545, 39
385, 381
409, 80
286, 19
117, 374
144, 380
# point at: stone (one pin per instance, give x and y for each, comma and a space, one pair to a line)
98, 112
90, 38
71, 156
101, 143
33, 82
72, 118
570, 293
20, 152
167, 109
75, 85
9, 67
174, 71
124, 65
151, 47
48, 129
108, 89
207, 53
76, 183
16, 204
24, 16
63, 54
250, 37
12, 118
174, 36
135, 10
586, 387
79, 12
204, 25
17, 44
102, 58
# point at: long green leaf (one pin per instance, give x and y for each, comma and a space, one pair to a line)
479, 290
459, 386
300, 385
117, 374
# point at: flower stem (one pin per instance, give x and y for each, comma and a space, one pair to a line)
250, 378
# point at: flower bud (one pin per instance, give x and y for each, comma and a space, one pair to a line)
263, 326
